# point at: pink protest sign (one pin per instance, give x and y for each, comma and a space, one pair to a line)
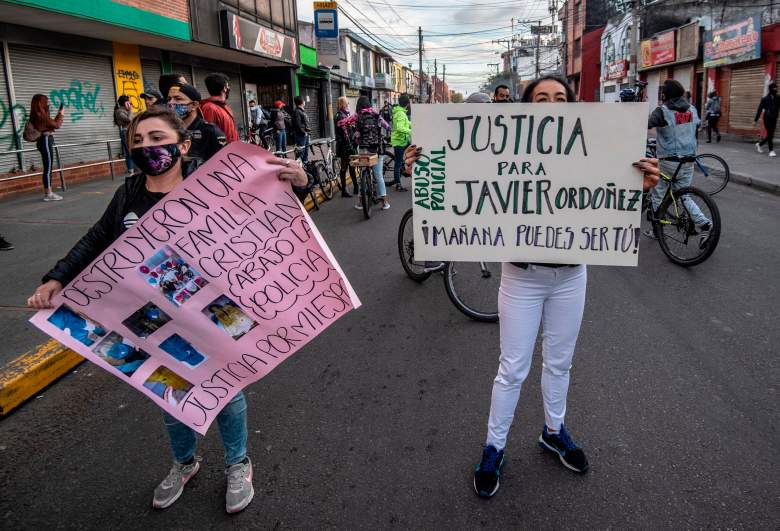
216, 285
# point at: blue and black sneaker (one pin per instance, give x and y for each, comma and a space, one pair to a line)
488, 471
569, 453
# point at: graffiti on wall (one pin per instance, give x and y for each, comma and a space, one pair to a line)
128, 75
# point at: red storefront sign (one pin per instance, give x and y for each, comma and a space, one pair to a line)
617, 70
662, 48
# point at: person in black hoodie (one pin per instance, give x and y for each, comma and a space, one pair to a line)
206, 137
301, 127
770, 106
158, 140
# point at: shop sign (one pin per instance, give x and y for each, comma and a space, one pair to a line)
383, 81
658, 50
733, 44
355, 80
369, 82
617, 70
247, 36
353, 93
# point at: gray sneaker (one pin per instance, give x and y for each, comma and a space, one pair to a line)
239, 486
52, 197
169, 490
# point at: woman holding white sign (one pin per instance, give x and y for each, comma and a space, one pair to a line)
532, 294
158, 140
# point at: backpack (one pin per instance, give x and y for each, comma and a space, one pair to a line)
715, 107
369, 129
30, 133
287, 119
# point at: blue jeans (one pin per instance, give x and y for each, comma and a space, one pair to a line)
126, 149
684, 178
379, 178
280, 139
302, 141
399, 163
232, 427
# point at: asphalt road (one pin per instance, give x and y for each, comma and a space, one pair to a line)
378, 423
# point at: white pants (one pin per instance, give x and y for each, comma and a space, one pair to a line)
555, 297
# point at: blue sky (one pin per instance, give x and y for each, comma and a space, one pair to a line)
474, 24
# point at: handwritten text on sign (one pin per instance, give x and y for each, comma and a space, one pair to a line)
210, 290
528, 182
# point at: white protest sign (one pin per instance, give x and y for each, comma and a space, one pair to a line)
550, 183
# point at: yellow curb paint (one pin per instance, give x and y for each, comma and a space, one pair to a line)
29, 373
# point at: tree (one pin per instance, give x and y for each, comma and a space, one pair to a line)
457, 97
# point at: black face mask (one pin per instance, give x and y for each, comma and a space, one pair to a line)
155, 160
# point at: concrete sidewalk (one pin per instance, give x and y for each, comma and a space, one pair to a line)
747, 165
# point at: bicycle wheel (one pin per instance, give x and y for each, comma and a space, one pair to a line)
414, 270
336, 169
387, 168
473, 288
366, 197
681, 240
710, 173
325, 182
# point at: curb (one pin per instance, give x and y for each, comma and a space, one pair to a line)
31, 372
759, 184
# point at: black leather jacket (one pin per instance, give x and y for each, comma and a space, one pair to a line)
107, 229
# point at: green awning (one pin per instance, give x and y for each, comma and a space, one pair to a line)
308, 71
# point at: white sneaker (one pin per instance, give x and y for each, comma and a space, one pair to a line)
358, 207
385, 206
52, 197
758, 148
240, 490
169, 490
772, 153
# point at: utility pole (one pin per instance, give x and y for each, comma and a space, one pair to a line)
433, 81
538, 44
633, 62
420, 50
512, 72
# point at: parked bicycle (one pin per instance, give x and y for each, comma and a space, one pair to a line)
258, 137
326, 167
674, 224
311, 172
471, 286
710, 172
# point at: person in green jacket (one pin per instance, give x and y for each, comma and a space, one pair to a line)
401, 137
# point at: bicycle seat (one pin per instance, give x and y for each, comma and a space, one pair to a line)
687, 158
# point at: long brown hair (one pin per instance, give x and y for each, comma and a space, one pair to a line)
39, 113
166, 115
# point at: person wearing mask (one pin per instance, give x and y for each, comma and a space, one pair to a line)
206, 138
344, 147
387, 112
215, 108
258, 120
501, 94
368, 136
770, 106
301, 129
152, 98
712, 115
552, 295
279, 121
166, 81
401, 137
676, 122
152, 134
5, 245
123, 112
42, 122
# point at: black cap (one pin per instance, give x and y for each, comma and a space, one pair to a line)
153, 93
189, 91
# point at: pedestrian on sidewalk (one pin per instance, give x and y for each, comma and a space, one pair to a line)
401, 137
369, 138
158, 140
215, 108
5, 245
344, 147
206, 138
123, 113
42, 122
712, 115
152, 98
279, 121
300, 127
770, 107
552, 295
676, 122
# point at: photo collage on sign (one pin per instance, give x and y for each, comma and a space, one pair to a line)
175, 278
226, 314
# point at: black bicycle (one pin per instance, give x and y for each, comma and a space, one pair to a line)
710, 172
471, 286
310, 169
677, 222
365, 162
326, 168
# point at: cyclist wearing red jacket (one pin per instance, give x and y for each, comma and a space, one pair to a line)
215, 109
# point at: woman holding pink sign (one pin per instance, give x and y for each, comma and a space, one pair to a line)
158, 140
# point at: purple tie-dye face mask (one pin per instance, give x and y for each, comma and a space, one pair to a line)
154, 160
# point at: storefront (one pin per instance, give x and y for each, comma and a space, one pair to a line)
741, 59
615, 57
672, 54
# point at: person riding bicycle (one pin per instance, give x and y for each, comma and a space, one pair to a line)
530, 294
369, 136
675, 122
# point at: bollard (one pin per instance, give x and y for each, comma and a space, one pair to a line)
110, 159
